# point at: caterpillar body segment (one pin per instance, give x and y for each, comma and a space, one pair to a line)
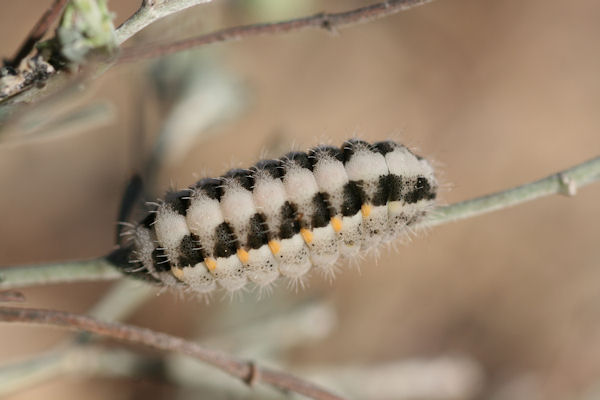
282, 217
332, 180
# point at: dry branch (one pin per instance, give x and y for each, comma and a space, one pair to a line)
244, 370
328, 21
151, 11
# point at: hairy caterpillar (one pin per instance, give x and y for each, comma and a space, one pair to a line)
282, 217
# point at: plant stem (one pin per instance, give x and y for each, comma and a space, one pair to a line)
149, 12
327, 21
71, 271
247, 371
564, 182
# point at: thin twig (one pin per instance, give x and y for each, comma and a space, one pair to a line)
119, 303
442, 377
38, 31
244, 370
328, 21
282, 330
70, 271
151, 11
564, 182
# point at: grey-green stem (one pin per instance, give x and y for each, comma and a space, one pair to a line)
98, 269
565, 182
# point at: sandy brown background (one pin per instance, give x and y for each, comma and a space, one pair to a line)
497, 93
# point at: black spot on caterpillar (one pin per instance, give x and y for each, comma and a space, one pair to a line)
281, 217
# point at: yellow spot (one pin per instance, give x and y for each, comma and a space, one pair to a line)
274, 246
178, 272
336, 223
366, 210
307, 235
211, 263
243, 255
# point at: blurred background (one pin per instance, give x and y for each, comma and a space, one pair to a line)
502, 306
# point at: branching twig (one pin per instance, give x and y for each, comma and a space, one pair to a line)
149, 12
328, 21
565, 182
244, 370
38, 31
152, 10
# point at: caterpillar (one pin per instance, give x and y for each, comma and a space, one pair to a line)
281, 217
